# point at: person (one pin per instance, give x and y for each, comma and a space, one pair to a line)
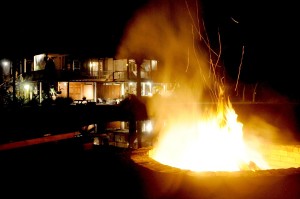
127, 105
136, 111
132, 134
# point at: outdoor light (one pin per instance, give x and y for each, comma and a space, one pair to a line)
26, 87
27, 91
5, 64
148, 128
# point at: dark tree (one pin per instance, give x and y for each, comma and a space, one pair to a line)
49, 76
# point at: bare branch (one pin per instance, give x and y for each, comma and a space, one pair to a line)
238, 77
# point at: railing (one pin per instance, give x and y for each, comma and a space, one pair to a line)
66, 75
120, 75
67, 119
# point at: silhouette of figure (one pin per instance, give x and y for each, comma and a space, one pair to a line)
136, 111
49, 76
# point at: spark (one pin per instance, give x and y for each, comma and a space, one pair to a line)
234, 20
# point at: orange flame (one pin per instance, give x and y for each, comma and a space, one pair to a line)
213, 143
209, 141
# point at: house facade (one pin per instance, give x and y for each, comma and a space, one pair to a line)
100, 80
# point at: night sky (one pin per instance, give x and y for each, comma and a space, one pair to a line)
269, 34
58, 26
267, 31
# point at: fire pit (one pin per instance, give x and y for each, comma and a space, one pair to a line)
163, 181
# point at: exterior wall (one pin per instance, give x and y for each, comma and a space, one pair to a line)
282, 156
59, 61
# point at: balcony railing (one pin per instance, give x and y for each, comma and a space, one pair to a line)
69, 75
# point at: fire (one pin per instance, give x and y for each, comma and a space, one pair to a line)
204, 141
214, 142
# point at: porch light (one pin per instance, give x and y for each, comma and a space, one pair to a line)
6, 66
26, 87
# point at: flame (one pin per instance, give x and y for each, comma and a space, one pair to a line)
214, 142
204, 141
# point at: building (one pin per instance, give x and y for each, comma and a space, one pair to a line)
100, 80
94, 79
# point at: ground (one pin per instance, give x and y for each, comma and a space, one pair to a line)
68, 169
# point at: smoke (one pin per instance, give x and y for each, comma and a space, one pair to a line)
173, 33
169, 31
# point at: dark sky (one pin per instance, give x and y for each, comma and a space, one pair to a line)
64, 26
269, 34
268, 31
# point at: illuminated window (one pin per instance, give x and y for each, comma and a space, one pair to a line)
94, 68
39, 62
